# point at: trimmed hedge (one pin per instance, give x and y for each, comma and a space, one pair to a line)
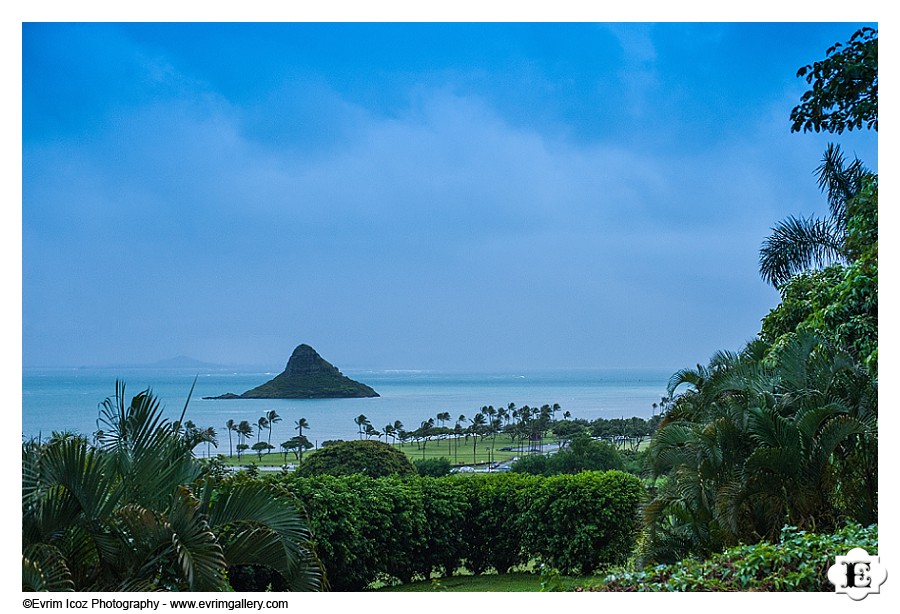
579, 523
399, 529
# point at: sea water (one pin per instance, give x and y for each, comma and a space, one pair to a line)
69, 399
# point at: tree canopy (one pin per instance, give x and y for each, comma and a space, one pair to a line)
844, 94
368, 457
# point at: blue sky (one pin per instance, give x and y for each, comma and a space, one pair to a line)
421, 196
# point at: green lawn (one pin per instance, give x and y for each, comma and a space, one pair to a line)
458, 450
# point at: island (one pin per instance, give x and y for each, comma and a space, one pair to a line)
306, 376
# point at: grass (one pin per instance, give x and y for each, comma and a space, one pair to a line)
458, 450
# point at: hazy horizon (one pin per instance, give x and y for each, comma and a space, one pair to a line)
410, 196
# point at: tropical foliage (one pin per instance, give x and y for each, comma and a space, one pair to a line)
838, 302
761, 440
135, 511
844, 94
802, 244
785, 432
797, 561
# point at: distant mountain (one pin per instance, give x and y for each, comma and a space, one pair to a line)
306, 376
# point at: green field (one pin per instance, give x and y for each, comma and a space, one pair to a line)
460, 451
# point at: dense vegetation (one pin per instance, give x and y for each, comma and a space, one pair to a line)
785, 431
582, 454
398, 529
135, 511
797, 561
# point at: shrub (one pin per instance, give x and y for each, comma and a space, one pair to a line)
534, 464
370, 458
448, 511
799, 561
398, 529
493, 533
432, 467
580, 523
366, 529
585, 454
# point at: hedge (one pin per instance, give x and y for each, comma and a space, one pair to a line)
398, 529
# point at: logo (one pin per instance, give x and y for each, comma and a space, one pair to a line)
857, 574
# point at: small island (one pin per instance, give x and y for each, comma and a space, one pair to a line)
306, 376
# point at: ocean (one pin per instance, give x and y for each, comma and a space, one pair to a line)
68, 399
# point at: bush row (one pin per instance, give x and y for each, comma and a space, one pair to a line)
400, 529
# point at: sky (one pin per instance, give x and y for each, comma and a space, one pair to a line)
444, 196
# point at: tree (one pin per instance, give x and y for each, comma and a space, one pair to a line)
361, 421
300, 425
136, 513
262, 423
839, 303
760, 439
371, 431
368, 457
262, 447
844, 94
297, 445
799, 244
585, 454
476, 428
432, 467
271, 418
230, 426
244, 431
389, 431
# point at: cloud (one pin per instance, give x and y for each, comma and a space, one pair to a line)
443, 230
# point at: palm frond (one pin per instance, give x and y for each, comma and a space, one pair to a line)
799, 244
840, 183
198, 553
44, 569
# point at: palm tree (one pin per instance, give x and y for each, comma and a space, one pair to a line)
371, 431
272, 417
389, 431
230, 426
300, 425
399, 433
798, 244
478, 422
361, 421
244, 431
136, 513
755, 444
262, 423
